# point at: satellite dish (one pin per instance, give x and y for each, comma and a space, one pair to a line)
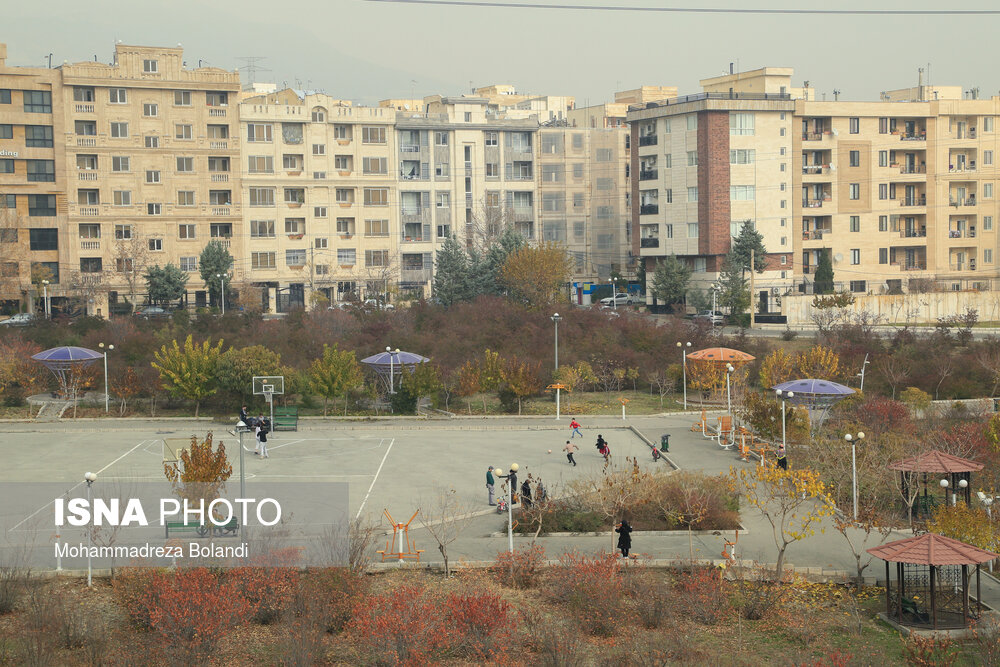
839, 257
406, 107
775, 291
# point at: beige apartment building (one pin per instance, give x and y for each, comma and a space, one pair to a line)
150, 170
705, 164
34, 241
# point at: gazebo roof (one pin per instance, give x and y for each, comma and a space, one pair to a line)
932, 549
720, 355
936, 461
815, 387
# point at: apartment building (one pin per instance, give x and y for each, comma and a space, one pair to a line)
899, 190
149, 169
34, 242
705, 164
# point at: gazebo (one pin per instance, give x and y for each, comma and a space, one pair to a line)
813, 393
66, 363
389, 365
932, 581
956, 471
721, 356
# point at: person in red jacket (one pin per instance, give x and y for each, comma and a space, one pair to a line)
575, 425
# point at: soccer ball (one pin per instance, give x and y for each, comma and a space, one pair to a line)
550, 451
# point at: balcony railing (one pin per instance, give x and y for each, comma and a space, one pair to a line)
86, 142
913, 136
90, 175
221, 210
963, 266
962, 167
649, 209
914, 201
913, 169
961, 233
648, 175
815, 234
220, 178
524, 214
958, 201
812, 203
90, 245
648, 140
649, 242
813, 136
815, 169
912, 233
420, 275
409, 148
85, 108
221, 145
217, 111
90, 210
224, 241
910, 266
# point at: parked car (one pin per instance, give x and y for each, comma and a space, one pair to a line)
150, 312
19, 320
375, 304
619, 299
714, 316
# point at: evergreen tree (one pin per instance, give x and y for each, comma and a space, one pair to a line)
215, 260
452, 280
734, 293
670, 280
485, 267
823, 282
165, 284
749, 239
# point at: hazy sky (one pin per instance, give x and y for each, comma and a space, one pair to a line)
366, 51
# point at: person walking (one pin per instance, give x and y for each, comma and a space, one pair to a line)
575, 426
541, 495
624, 531
603, 448
264, 428
256, 431
569, 449
489, 485
782, 459
526, 493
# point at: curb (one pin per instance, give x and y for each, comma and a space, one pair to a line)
643, 533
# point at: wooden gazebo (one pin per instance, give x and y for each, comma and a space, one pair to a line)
932, 581
943, 466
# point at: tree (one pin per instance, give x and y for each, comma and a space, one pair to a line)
451, 274
165, 284
125, 384
670, 280
895, 368
823, 282
335, 374
468, 383
490, 373
237, 368
777, 367
537, 274
131, 261
818, 362
201, 472
422, 380
189, 372
522, 378
215, 260
445, 519
734, 293
749, 241
787, 500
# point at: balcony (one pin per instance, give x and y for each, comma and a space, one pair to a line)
224, 241
89, 210
961, 233
648, 140
524, 214
219, 112
649, 242
814, 136
815, 234
913, 169
958, 201
85, 108
913, 233
409, 148
962, 167
963, 266
649, 209
648, 175
86, 142
813, 203
221, 210
90, 175
920, 200
913, 136
219, 145
420, 275
816, 169
90, 245
220, 178
911, 265
413, 215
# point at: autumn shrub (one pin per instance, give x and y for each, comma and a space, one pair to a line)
12, 584
267, 590
879, 415
558, 516
591, 587
696, 501
401, 627
648, 596
698, 593
986, 645
135, 591
520, 568
481, 625
756, 594
330, 596
554, 642
929, 651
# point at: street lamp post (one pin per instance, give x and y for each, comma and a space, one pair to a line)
684, 364
962, 484
510, 477
242, 428
854, 439
45, 299
715, 290
107, 390
89, 478
783, 395
555, 318
614, 294
222, 283
729, 397
391, 369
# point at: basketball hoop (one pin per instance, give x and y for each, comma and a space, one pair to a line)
267, 386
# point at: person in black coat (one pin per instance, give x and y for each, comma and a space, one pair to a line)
526, 493
624, 531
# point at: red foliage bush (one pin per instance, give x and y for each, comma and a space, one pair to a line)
593, 589
520, 568
330, 596
403, 627
481, 625
135, 590
267, 590
880, 415
700, 595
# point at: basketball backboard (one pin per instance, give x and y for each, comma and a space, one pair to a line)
268, 384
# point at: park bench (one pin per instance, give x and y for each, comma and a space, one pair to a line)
286, 418
230, 529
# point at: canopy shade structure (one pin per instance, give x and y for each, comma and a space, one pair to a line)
936, 461
65, 362
932, 549
389, 365
722, 355
814, 393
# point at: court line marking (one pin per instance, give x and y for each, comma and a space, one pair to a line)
18, 525
375, 479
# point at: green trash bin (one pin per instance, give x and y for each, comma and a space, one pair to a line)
665, 442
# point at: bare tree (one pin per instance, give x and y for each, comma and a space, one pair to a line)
894, 368
664, 384
490, 219
943, 368
445, 519
130, 259
988, 356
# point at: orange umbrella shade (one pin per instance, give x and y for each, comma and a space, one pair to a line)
722, 355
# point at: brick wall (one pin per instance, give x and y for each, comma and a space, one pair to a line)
713, 183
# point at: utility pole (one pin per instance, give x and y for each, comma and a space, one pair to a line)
751, 285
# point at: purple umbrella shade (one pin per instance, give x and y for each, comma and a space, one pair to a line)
397, 358
815, 388
67, 355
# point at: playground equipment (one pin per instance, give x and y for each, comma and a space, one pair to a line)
729, 549
399, 532
701, 426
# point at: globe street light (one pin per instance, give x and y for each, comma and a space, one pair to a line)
107, 391
222, 282
391, 373
962, 484
684, 364
729, 398
783, 395
555, 318
89, 478
854, 439
614, 295
45, 299
242, 428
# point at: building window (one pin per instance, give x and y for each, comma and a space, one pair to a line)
152, 142
669, 230
153, 209
668, 196
7, 130
987, 157
295, 225
781, 132
372, 135
292, 162
150, 66
319, 149
784, 240
855, 157
122, 197
987, 123
345, 226
342, 162
220, 197
492, 170
883, 191
344, 195
38, 136
118, 96
155, 245
883, 223
185, 164
741, 123
883, 255
859, 286
186, 197
8, 201
692, 158
692, 230
668, 161
737, 193
854, 125
260, 164
319, 211
376, 227
261, 196
883, 126
739, 156
120, 163
91, 265
262, 260
296, 257
189, 264
37, 101
123, 232
492, 138
119, 130
220, 230
855, 191
855, 256
440, 138
182, 131
987, 190
217, 98
86, 162
342, 132
90, 231
855, 223
41, 170
182, 98
692, 122
322, 243
374, 165
295, 195
442, 200
150, 110
186, 232
987, 223
43, 239
693, 194
319, 115
376, 257
441, 169
347, 256
259, 132
88, 197
262, 229
883, 158
291, 133
376, 196
988, 255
